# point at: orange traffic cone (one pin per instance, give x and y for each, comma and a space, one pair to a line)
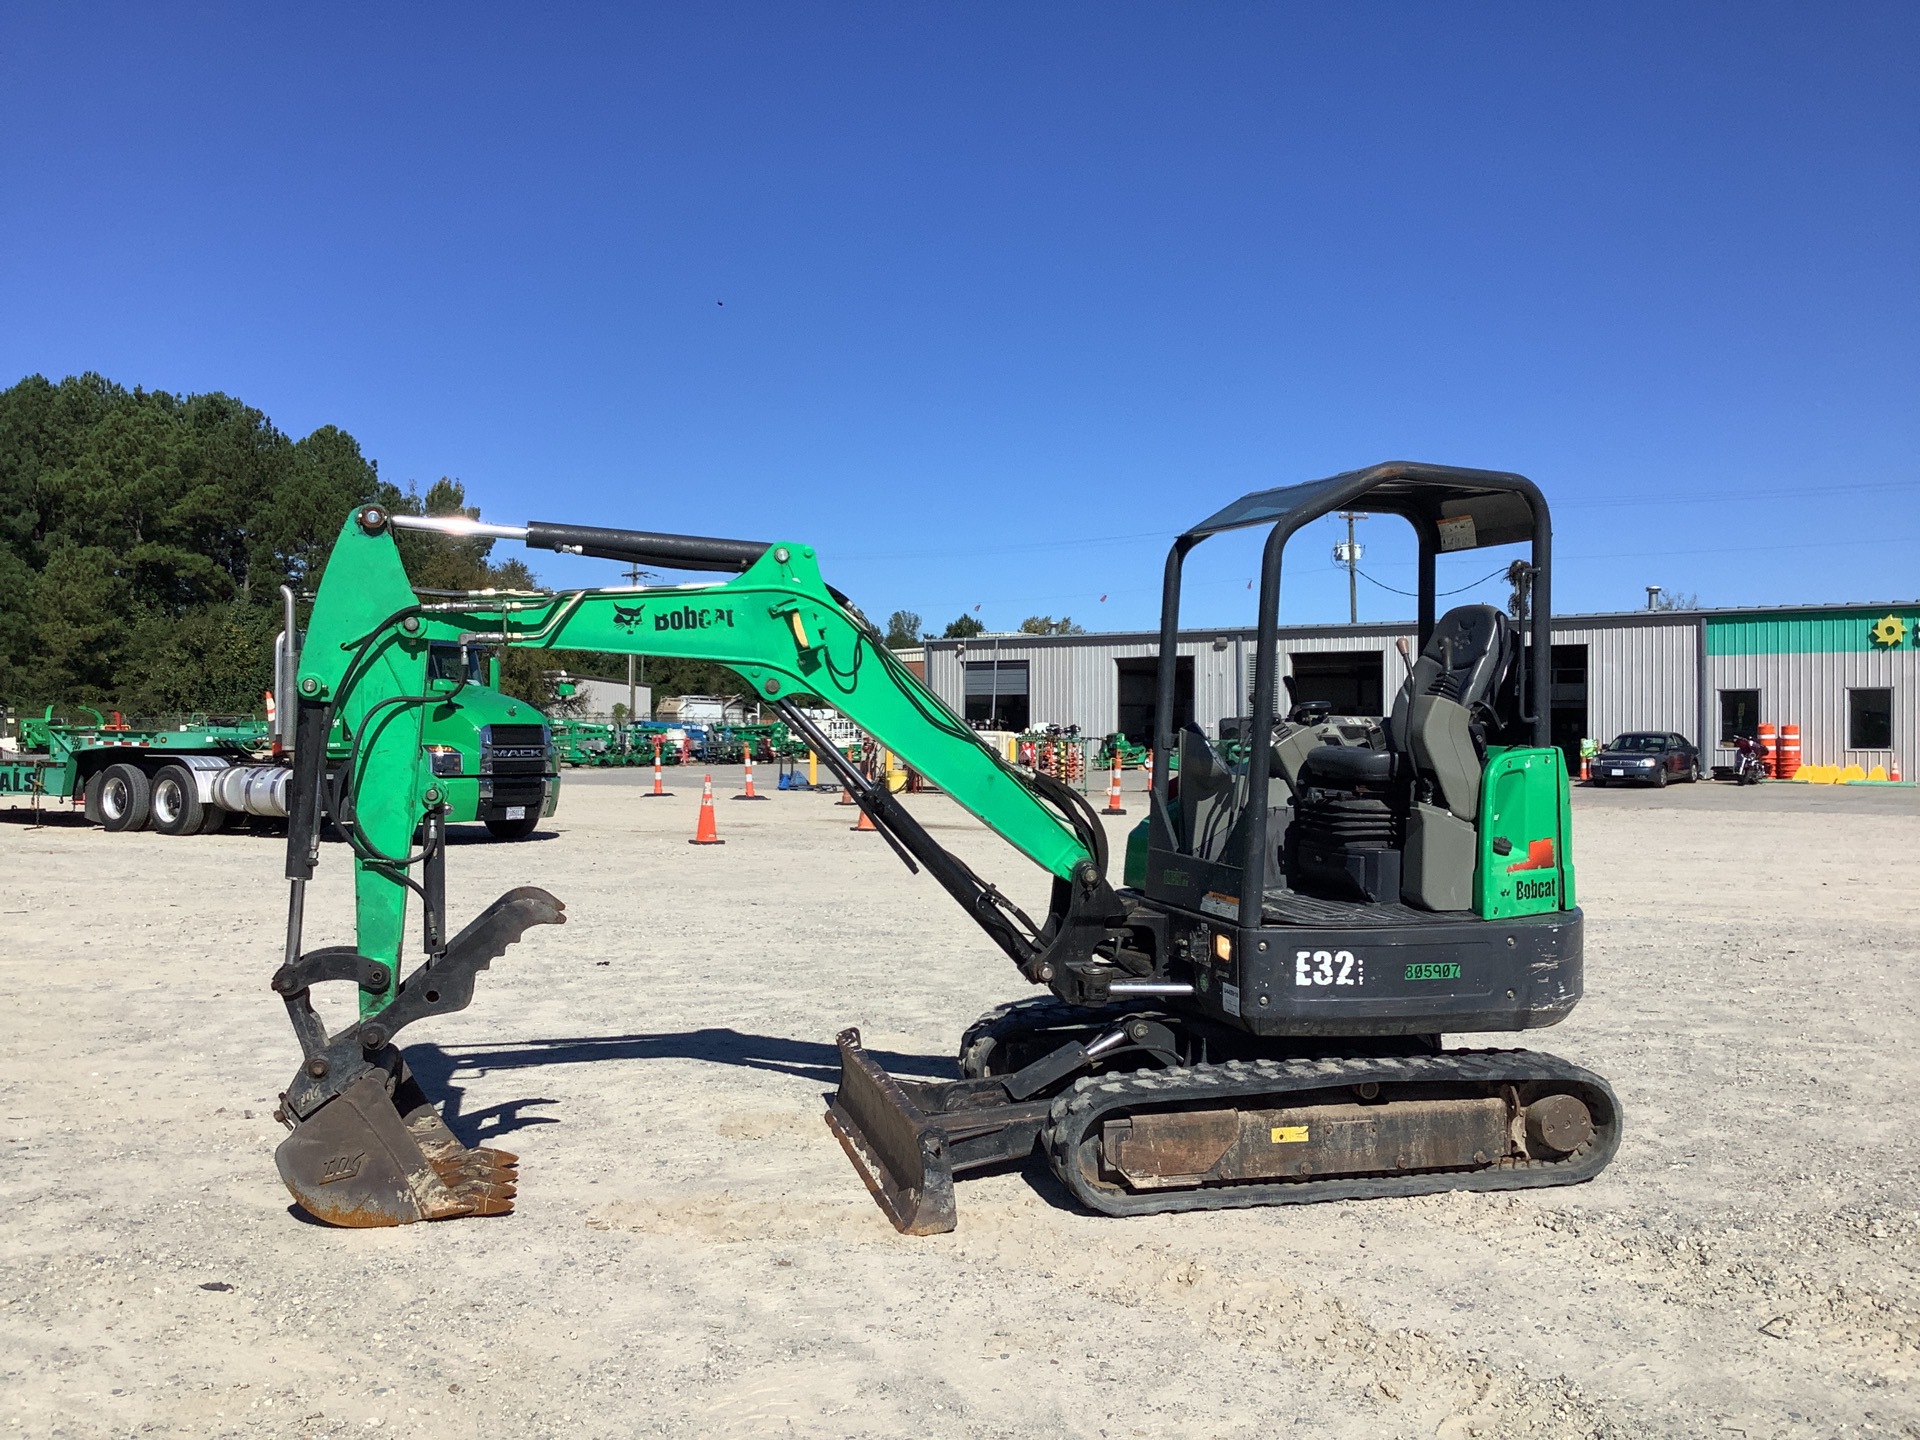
708, 832
846, 797
1893, 768
1113, 787
659, 779
866, 821
748, 794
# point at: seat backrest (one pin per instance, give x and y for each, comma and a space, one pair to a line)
1461, 669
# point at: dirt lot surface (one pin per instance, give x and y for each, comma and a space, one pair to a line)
694, 1256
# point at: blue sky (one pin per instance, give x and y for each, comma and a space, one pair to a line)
987, 301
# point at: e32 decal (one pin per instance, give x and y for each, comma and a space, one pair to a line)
1328, 967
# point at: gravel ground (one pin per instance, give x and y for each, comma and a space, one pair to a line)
694, 1256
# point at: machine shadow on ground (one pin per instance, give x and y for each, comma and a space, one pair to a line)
438, 1068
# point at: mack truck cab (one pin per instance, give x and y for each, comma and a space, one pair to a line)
493, 754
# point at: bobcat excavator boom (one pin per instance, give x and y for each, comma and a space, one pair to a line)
1253, 1018
366, 1146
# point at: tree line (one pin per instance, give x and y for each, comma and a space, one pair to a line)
144, 537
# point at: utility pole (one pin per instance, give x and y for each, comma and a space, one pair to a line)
1349, 555
634, 572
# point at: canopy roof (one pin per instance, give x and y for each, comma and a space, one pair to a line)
1471, 508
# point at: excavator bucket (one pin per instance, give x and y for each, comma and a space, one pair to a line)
367, 1147
899, 1150
379, 1154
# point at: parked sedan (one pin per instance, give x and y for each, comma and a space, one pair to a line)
1650, 757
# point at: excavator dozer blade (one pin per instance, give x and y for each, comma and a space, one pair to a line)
899, 1150
379, 1154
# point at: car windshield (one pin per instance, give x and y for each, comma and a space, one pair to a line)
1646, 744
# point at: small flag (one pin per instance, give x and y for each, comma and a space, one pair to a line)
1103, 599
976, 609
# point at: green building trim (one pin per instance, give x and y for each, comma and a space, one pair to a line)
1811, 632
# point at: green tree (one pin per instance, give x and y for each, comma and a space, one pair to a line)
903, 630
1047, 625
965, 628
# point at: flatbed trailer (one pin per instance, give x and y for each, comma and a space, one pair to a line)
490, 757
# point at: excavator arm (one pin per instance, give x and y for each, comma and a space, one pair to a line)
366, 1147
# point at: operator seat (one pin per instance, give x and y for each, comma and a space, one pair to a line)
1458, 687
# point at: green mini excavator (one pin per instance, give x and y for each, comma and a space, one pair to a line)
1253, 1015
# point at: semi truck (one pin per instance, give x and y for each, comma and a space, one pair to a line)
491, 756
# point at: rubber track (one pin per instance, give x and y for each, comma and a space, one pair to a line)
1027, 1015
1093, 1099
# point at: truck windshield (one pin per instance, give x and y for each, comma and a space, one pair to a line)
443, 663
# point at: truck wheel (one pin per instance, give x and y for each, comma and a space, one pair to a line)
91, 806
213, 821
513, 829
125, 796
175, 801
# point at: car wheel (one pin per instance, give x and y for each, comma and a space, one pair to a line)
1693, 772
1660, 778
1597, 783
175, 802
125, 796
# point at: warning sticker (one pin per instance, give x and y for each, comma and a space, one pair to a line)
1289, 1134
1227, 907
1457, 533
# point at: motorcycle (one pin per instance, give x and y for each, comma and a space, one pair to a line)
1750, 761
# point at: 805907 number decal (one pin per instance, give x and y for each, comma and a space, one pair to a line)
1328, 967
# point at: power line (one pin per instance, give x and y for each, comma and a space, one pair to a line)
1438, 593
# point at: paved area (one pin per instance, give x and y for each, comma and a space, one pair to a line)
693, 1256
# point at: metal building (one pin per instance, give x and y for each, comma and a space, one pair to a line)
1847, 675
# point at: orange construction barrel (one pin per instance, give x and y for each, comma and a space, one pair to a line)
1769, 748
1787, 765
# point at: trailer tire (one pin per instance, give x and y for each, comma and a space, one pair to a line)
213, 821
175, 802
513, 829
125, 797
90, 806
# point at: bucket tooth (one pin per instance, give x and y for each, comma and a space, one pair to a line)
900, 1151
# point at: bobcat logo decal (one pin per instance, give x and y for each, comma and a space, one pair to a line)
629, 619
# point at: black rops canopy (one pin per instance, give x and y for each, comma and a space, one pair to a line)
1449, 507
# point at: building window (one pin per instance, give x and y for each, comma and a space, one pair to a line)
997, 694
1869, 719
1739, 715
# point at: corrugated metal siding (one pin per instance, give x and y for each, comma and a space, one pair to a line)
1641, 675
1075, 682
1810, 690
